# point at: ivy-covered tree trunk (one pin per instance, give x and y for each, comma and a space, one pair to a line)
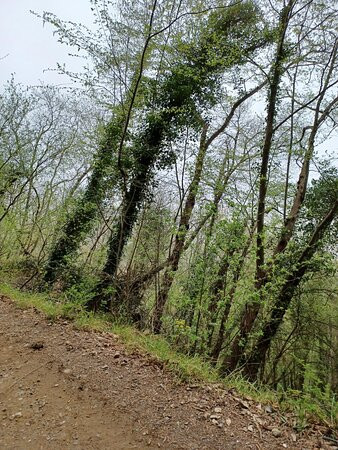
257, 357
126, 220
172, 105
80, 220
217, 348
251, 309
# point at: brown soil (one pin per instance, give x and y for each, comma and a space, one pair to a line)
61, 388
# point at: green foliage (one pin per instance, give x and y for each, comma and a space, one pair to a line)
320, 197
314, 401
77, 295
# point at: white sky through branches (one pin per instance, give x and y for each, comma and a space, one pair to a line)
28, 48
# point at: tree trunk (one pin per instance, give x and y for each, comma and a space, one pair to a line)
80, 220
257, 358
183, 228
217, 292
290, 222
252, 309
128, 216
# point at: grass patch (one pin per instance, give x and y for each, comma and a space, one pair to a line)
41, 302
188, 368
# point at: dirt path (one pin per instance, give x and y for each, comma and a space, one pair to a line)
61, 388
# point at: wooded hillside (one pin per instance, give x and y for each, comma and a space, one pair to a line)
187, 182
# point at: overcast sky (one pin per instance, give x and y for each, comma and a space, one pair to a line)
27, 47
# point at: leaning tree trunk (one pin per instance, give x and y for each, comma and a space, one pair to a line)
252, 309
183, 228
257, 357
80, 220
289, 225
121, 234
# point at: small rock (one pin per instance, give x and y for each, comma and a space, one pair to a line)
17, 415
276, 432
228, 422
69, 346
244, 404
218, 410
215, 417
293, 437
250, 428
268, 409
36, 345
104, 367
67, 371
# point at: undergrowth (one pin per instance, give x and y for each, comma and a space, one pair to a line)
307, 406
